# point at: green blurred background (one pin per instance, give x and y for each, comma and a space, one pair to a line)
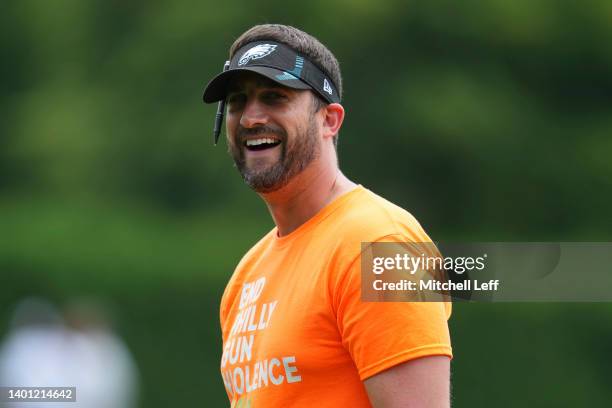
488, 120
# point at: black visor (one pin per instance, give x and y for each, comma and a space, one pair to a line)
277, 62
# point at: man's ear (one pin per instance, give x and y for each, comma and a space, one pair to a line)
333, 116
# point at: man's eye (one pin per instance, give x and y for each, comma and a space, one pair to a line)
236, 100
272, 96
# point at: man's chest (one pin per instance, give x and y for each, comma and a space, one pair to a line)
279, 330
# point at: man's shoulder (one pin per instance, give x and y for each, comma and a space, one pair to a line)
259, 247
370, 217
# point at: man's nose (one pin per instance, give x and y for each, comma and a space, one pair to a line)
254, 114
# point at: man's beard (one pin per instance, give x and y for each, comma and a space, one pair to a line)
292, 161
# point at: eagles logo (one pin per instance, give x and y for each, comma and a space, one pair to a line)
258, 51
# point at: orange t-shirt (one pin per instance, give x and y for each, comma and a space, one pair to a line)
295, 331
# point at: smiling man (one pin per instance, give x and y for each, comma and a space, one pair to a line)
295, 330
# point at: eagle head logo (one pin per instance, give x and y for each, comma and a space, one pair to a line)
258, 51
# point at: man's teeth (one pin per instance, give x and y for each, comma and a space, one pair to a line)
255, 142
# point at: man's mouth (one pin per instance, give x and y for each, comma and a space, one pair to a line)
261, 143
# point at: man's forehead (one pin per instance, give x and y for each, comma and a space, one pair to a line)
247, 79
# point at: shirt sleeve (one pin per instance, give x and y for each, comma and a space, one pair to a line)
380, 335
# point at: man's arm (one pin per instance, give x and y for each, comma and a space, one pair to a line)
420, 383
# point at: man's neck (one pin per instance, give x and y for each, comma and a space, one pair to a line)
304, 196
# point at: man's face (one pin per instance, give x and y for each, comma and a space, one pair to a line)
271, 129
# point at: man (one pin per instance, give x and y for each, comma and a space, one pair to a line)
295, 330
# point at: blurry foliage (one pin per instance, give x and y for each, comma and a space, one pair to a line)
488, 120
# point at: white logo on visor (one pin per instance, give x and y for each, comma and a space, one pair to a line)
326, 87
258, 51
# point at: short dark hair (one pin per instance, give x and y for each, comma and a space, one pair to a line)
303, 43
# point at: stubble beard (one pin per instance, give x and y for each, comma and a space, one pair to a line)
292, 161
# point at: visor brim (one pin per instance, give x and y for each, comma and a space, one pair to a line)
216, 90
